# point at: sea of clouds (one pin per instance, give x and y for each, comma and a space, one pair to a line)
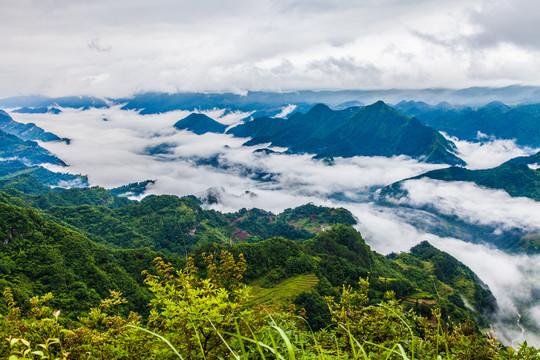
111, 145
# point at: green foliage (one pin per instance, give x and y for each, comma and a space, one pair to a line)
208, 318
25, 131
317, 313
13, 147
40, 256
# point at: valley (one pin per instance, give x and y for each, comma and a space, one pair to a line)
171, 184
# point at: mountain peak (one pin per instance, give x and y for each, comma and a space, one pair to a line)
319, 108
498, 105
200, 124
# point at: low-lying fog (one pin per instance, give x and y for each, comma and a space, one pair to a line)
112, 147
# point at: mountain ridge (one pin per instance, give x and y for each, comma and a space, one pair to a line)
373, 130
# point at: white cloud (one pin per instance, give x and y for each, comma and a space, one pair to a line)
473, 204
50, 47
489, 153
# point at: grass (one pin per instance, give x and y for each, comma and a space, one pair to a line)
284, 290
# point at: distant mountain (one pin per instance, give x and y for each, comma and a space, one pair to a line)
38, 110
38, 101
495, 119
29, 152
271, 103
28, 131
200, 124
151, 103
374, 130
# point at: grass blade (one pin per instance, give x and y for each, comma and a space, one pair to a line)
159, 337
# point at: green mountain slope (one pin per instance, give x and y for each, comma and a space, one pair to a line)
40, 256
423, 279
11, 147
494, 119
518, 177
26, 131
178, 226
374, 130
15, 171
168, 223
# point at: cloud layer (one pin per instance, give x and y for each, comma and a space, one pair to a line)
61, 47
489, 152
473, 204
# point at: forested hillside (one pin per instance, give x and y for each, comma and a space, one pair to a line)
304, 257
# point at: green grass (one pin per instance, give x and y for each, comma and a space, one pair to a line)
284, 290
421, 295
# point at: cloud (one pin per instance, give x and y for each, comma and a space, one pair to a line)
511, 280
489, 152
171, 46
514, 22
95, 43
286, 111
473, 204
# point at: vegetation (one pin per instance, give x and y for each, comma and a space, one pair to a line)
29, 151
165, 223
302, 284
39, 247
194, 317
40, 257
519, 177
514, 176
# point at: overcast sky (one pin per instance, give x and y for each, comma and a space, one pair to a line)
117, 48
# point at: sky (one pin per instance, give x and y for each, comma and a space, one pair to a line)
117, 48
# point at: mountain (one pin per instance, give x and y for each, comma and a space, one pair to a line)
374, 130
200, 124
520, 122
518, 177
40, 256
60, 256
28, 131
11, 171
29, 152
271, 103
56, 282
38, 110
151, 103
38, 101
